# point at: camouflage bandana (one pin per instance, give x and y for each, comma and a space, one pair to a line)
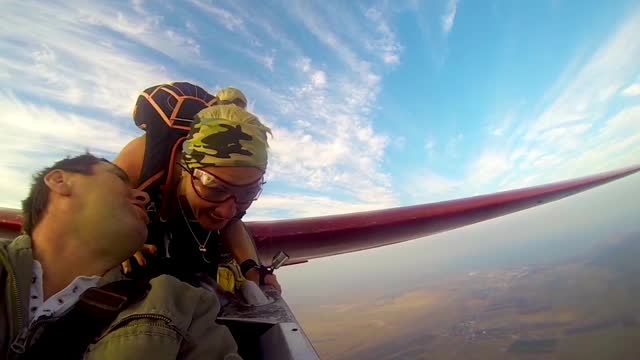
226, 135
231, 95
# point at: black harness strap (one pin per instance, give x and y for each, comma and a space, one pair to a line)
69, 336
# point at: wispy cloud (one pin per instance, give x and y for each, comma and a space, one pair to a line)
138, 5
319, 27
431, 187
503, 126
229, 20
569, 126
332, 145
573, 135
448, 19
33, 136
146, 29
301, 205
626, 122
587, 96
487, 168
631, 90
264, 24
453, 145
59, 60
430, 146
260, 56
387, 44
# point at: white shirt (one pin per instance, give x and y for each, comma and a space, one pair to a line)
61, 301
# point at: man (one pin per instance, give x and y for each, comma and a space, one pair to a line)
195, 245
81, 220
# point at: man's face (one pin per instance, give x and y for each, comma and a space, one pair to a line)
108, 207
217, 194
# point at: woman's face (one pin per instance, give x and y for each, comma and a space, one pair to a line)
217, 194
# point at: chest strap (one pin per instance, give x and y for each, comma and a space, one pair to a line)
97, 308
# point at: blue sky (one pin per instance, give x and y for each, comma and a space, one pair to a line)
373, 104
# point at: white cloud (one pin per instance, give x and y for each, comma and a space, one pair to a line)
361, 41
437, 185
487, 168
191, 27
449, 17
319, 26
304, 64
323, 138
564, 135
62, 60
34, 136
604, 155
390, 58
572, 136
14, 186
579, 150
259, 56
142, 27
430, 146
632, 90
504, 126
345, 161
262, 23
428, 186
343, 111
49, 130
269, 61
587, 96
230, 21
623, 124
319, 79
138, 5
302, 206
453, 145
386, 45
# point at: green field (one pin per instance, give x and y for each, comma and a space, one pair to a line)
585, 309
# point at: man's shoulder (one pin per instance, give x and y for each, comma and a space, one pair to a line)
176, 300
21, 241
164, 284
13, 249
174, 320
179, 293
4, 244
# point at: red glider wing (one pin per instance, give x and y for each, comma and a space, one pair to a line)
304, 239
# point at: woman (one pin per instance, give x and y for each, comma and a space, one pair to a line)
201, 175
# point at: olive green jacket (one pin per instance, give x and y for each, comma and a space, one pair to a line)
174, 320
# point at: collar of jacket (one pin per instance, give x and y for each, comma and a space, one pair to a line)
20, 255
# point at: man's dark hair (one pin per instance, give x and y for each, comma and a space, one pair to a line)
35, 204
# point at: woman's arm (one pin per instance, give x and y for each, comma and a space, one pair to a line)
235, 237
131, 158
237, 240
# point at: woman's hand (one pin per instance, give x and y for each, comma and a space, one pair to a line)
269, 279
147, 250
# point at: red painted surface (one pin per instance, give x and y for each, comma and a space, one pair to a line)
310, 238
330, 235
10, 220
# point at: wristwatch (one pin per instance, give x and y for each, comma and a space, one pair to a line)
251, 264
